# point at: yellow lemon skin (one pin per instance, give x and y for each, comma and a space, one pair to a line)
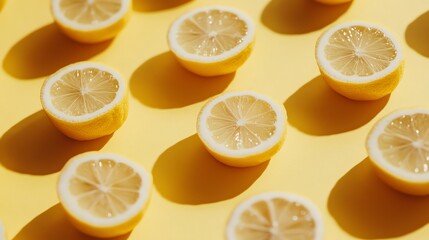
95, 35
402, 185
100, 126
248, 161
366, 91
108, 231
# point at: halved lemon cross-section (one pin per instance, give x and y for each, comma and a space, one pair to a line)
398, 146
275, 215
91, 21
361, 61
85, 100
212, 40
104, 194
242, 128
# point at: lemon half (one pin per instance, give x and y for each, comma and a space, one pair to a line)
212, 41
361, 61
91, 21
242, 128
103, 194
85, 100
275, 215
398, 146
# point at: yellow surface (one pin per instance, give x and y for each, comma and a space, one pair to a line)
323, 158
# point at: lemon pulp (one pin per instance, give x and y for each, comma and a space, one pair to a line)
405, 143
276, 219
105, 188
89, 11
242, 122
360, 51
211, 32
83, 91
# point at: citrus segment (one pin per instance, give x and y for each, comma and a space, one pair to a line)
103, 194
91, 21
85, 100
242, 128
359, 60
398, 145
212, 41
275, 215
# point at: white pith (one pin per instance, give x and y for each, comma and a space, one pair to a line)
70, 203
47, 99
313, 211
377, 156
265, 145
57, 12
337, 75
179, 51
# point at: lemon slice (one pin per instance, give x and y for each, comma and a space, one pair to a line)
85, 100
103, 194
212, 41
275, 215
242, 128
398, 146
91, 21
361, 61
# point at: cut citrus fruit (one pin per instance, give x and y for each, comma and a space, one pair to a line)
2, 232
361, 61
91, 21
104, 195
85, 100
333, 2
398, 146
242, 128
212, 41
275, 215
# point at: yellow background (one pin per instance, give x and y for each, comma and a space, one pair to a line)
323, 158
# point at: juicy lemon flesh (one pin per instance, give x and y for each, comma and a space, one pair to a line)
89, 12
276, 219
360, 51
81, 92
242, 122
405, 143
211, 33
105, 188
